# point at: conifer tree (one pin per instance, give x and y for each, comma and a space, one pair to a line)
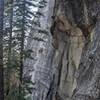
1, 50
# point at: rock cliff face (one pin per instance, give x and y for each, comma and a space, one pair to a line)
72, 47
39, 69
68, 46
65, 64
88, 85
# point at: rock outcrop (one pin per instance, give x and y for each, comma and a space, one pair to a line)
66, 54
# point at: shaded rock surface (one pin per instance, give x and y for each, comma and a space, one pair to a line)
39, 69
66, 59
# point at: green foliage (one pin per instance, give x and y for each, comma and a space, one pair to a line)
22, 22
27, 54
23, 92
14, 94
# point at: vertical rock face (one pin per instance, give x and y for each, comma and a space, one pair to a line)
68, 43
39, 68
70, 55
74, 23
88, 87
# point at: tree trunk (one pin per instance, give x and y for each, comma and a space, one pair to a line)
1, 51
22, 41
9, 47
